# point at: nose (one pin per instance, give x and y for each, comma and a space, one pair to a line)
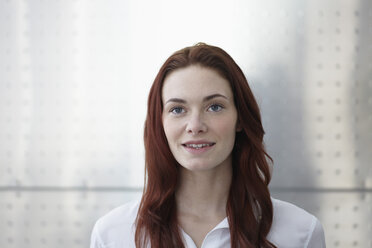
196, 124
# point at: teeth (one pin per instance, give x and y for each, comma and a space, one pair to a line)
197, 146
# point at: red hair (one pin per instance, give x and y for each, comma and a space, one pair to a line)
249, 208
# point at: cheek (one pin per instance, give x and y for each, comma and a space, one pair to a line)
226, 132
170, 130
227, 127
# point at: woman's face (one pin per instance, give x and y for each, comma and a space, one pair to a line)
199, 118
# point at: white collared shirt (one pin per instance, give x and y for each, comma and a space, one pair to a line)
292, 227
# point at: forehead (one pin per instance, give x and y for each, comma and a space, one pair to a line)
195, 81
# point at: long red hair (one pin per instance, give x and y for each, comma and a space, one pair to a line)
249, 208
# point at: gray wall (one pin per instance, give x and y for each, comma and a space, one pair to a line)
74, 78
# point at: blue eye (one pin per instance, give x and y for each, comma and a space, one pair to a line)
177, 110
215, 108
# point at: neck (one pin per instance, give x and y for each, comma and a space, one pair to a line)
204, 193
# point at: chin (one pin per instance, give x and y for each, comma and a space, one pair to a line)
197, 167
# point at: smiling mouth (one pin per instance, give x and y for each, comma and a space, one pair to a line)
198, 146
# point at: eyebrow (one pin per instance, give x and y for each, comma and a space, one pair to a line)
205, 99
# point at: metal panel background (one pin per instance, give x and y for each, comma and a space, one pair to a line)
74, 77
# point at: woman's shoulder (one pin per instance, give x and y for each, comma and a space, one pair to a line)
116, 228
290, 213
125, 213
292, 226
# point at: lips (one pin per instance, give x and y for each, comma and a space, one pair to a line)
198, 146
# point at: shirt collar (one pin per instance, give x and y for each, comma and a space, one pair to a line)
223, 224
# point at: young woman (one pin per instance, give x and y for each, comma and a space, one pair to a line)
207, 171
